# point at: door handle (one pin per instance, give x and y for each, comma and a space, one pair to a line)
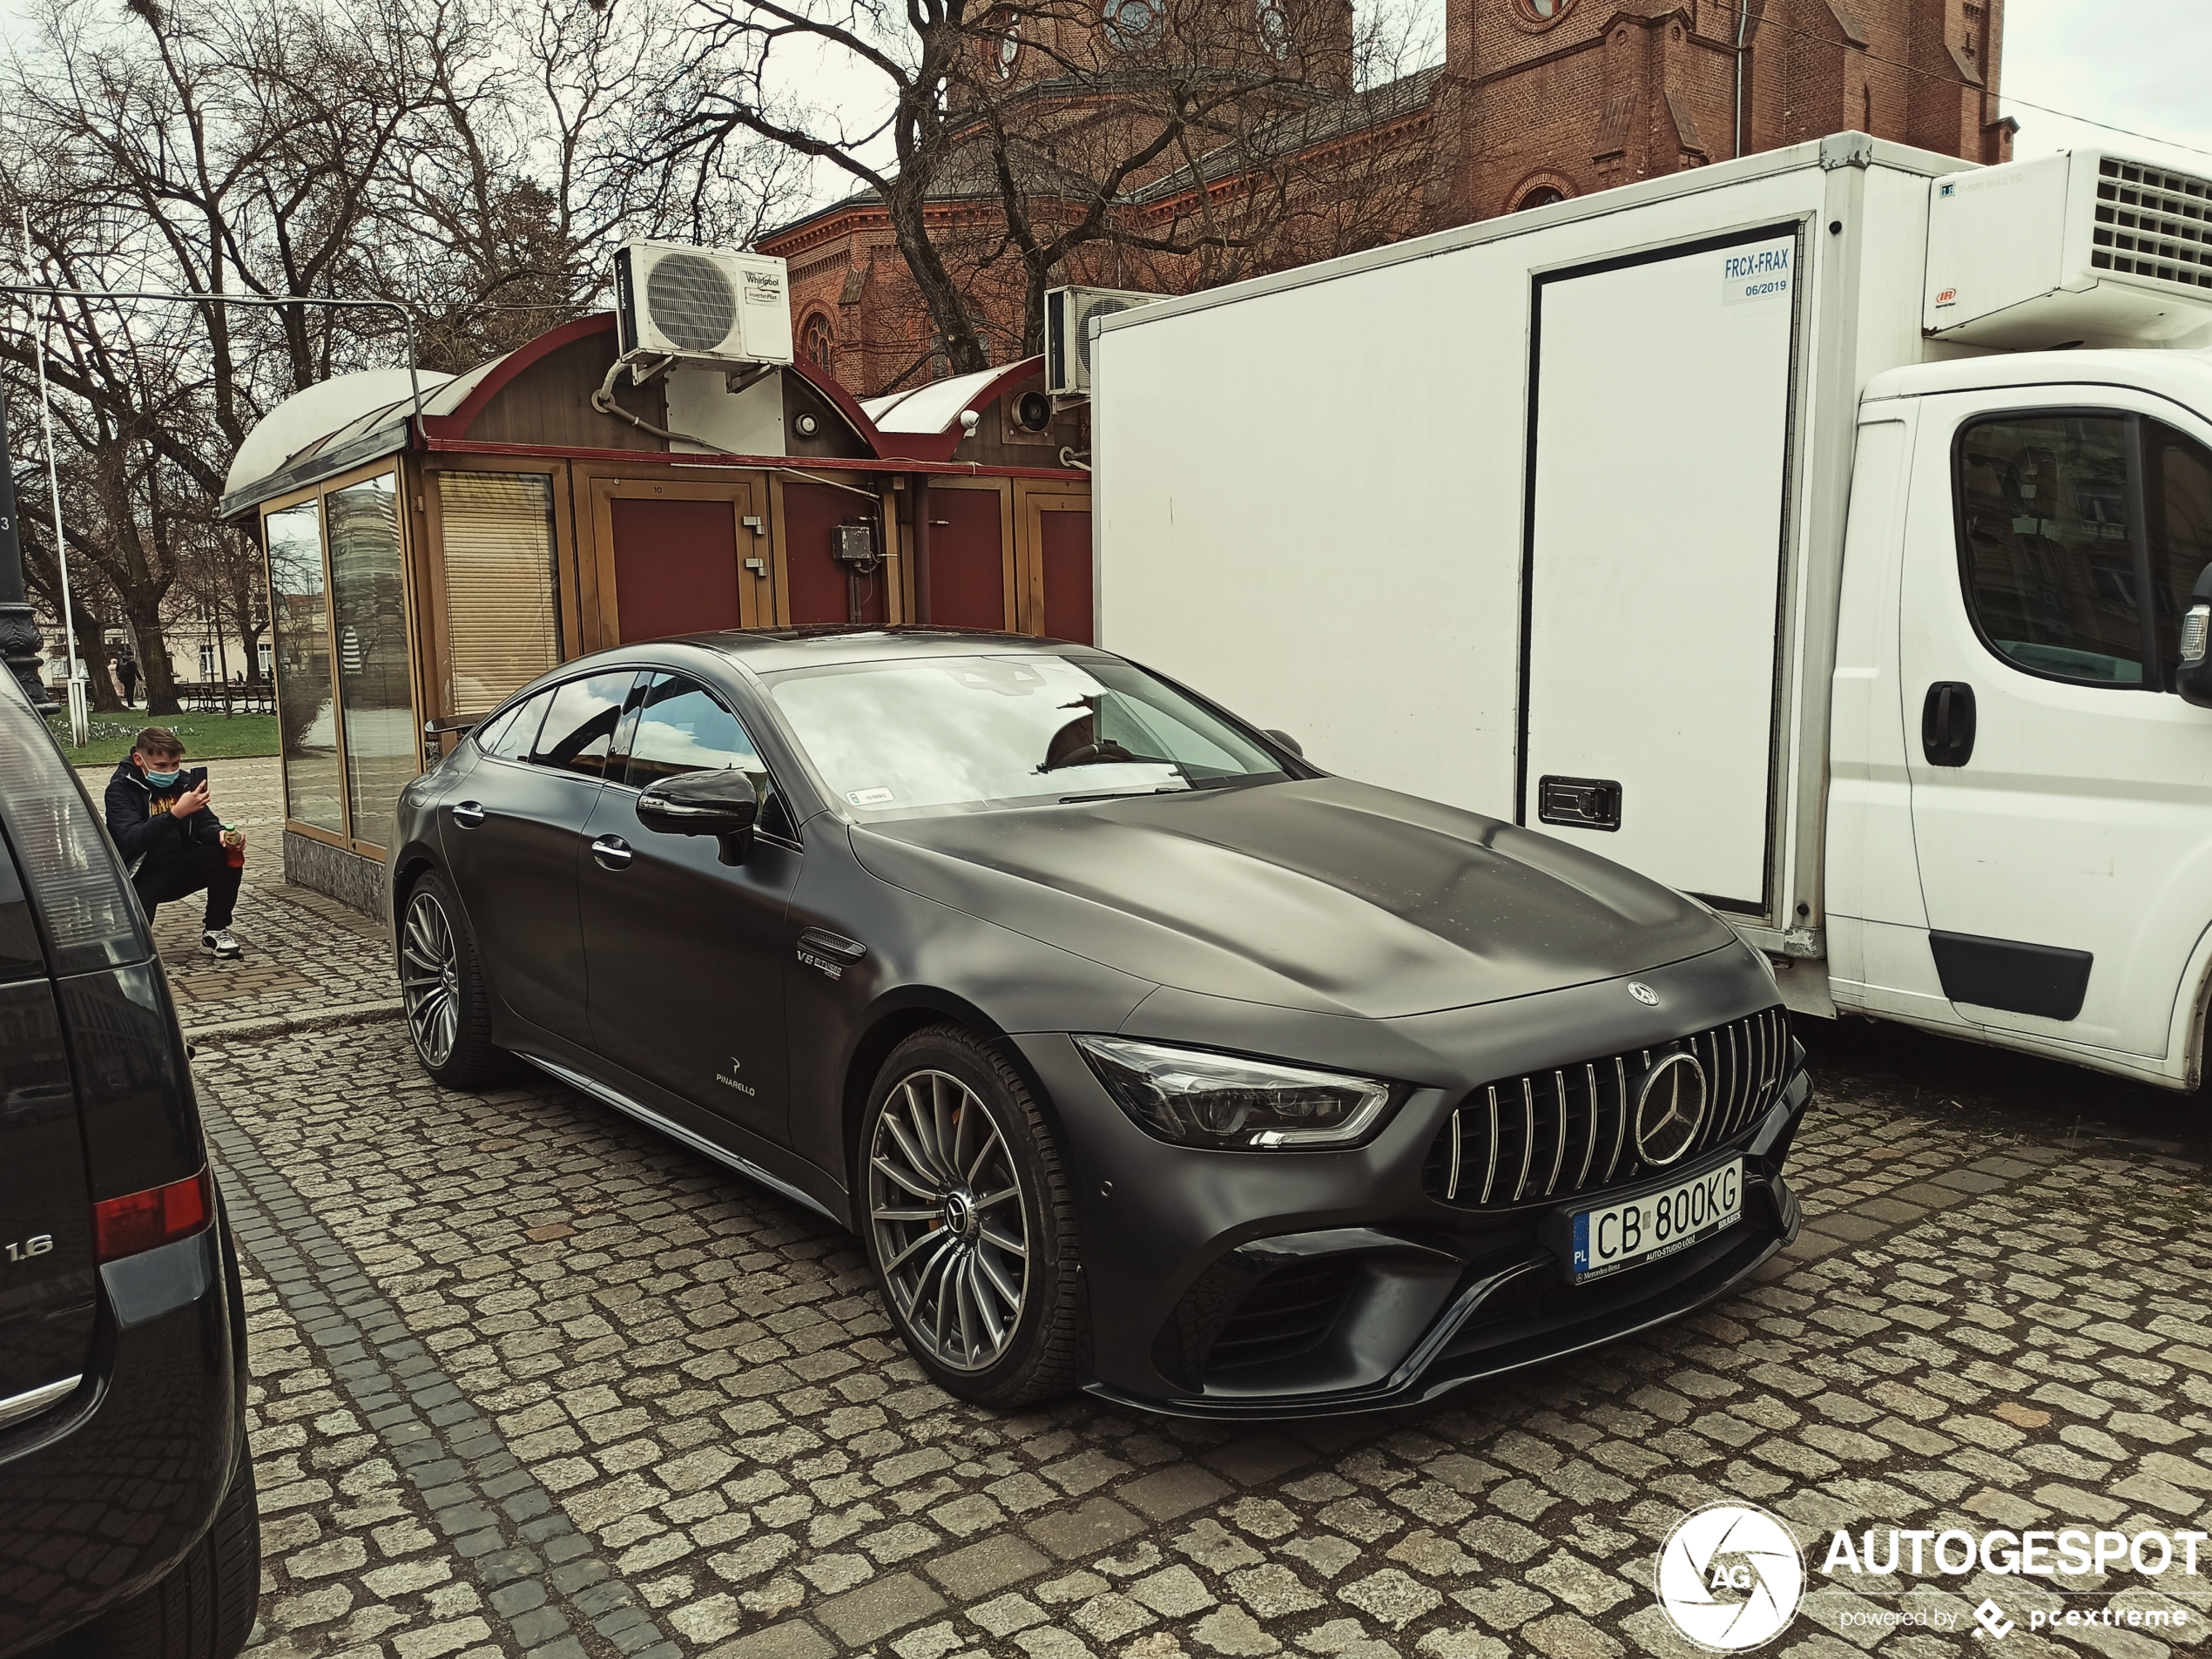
1947, 723
468, 814
611, 852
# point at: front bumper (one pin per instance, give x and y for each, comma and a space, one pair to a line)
102, 1494
1404, 1296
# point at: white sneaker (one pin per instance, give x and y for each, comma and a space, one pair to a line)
219, 943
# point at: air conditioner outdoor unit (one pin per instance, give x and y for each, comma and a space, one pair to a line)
2084, 246
703, 304
1068, 312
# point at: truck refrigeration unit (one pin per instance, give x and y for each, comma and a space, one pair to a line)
1820, 533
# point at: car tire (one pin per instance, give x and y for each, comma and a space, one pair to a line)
442, 989
204, 1608
953, 1147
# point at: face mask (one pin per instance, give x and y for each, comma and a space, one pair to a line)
163, 780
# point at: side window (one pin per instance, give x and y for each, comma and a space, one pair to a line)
2177, 472
2044, 504
579, 731
681, 727
511, 735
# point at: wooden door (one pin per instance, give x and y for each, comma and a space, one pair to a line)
1060, 589
679, 557
971, 561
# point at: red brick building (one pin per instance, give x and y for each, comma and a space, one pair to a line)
1536, 100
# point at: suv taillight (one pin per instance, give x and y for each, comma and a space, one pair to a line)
142, 1221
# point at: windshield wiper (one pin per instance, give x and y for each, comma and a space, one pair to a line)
1127, 794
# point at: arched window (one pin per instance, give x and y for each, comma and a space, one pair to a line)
1002, 47
1130, 23
1275, 28
1542, 196
1545, 11
818, 342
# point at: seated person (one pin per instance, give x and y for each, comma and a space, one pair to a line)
158, 816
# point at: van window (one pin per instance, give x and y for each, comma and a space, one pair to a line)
2049, 507
2177, 472
2049, 563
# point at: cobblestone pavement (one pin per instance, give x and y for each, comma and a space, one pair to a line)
529, 1379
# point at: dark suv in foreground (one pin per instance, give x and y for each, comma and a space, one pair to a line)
127, 1523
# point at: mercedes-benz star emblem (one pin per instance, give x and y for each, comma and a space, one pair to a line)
1644, 993
1670, 1107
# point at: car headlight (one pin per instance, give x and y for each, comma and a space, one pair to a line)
1195, 1098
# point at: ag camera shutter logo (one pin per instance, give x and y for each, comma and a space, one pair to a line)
1730, 1576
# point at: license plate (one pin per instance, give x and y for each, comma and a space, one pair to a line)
1655, 1224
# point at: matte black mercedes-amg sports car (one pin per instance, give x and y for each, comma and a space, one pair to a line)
1141, 1053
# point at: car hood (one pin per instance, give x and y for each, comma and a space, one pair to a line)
1322, 894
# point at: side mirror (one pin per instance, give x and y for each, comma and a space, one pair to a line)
2193, 679
1284, 740
721, 804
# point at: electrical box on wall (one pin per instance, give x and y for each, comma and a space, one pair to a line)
2082, 248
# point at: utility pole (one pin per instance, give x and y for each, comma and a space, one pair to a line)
19, 639
80, 725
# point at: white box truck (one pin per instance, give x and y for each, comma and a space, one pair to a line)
1815, 532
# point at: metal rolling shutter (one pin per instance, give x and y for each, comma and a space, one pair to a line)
502, 616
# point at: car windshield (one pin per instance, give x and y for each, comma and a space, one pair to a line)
967, 732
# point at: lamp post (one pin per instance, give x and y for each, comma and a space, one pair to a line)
19, 639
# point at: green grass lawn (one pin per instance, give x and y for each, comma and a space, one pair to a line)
207, 737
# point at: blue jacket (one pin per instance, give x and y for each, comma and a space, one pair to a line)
139, 822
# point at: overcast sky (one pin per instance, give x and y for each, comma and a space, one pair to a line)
2145, 65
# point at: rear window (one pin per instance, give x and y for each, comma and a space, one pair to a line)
61, 854
20, 957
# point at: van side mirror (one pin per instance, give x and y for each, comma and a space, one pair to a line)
721, 804
2193, 679
1284, 740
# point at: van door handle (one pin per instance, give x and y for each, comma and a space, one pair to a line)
468, 814
611, 852
1947, 723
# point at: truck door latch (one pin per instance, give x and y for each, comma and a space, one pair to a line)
1947, 723
1579, 803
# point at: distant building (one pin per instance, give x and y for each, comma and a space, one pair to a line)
1536, 101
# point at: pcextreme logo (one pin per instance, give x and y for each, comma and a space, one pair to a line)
1730, 1576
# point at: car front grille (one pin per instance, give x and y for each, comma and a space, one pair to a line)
1550, 1135
1288, 1312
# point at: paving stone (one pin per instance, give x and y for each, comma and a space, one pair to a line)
874, 1611
983, 1569
1099, 1523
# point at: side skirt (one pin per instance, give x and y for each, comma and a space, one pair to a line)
676, 1132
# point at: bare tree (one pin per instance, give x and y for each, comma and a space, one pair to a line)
727, 95
470, 159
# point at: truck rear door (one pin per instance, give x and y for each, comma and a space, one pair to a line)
1655, 548
2061, 793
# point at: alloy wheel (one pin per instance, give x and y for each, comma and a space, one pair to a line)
430, 979
951, 1230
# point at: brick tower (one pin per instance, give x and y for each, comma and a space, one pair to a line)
1559, 97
